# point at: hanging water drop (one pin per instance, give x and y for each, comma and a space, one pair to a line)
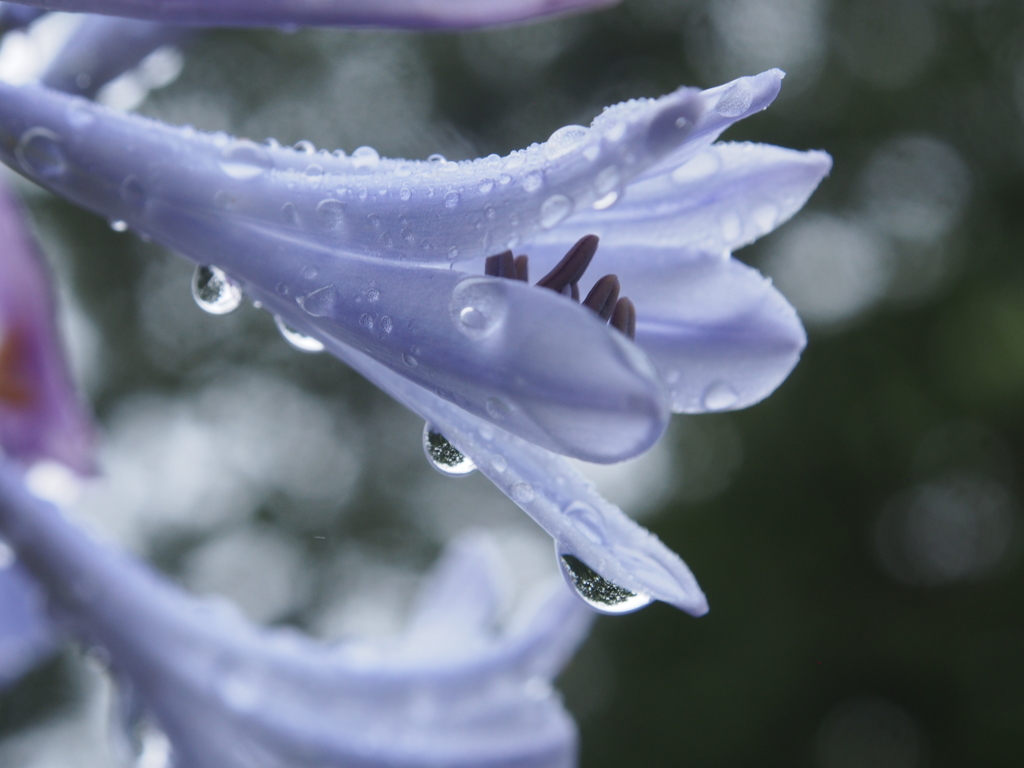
596, 591
436, 158
719, 396
365, 158
443, 456
40, 153
244, 160
214, 291
300, 341
118, 225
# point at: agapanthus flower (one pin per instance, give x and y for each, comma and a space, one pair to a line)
382, 262
456, 689
407, 14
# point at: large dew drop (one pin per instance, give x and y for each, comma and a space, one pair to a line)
244, 160
300, 341
443, 456
214, 291
595, 590
478, 307
40, 153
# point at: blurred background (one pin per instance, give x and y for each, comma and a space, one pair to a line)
858, 534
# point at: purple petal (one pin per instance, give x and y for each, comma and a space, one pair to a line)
40, 414
407, 14
230, 694
716, 202
101, 48
549, 489
495, 347
26, 635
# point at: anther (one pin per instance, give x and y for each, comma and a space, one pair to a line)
502, 265
523, 268
603, 295
13, 390
572, 266
624, 317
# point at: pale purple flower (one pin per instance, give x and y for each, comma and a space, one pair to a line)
40, 415
407, 14
372, 258
455, 690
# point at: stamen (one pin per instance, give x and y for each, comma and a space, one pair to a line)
572, 266
624, 317
502, 265
603, 295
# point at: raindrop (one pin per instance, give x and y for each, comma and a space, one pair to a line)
298, 340
365, 157
490, 212
736, 100
437, 158
596, 591
486, 185
453, 253
451, 200
606, 202
404, 194
719, 397
290, 214
478, 307
330, 214
214, 291
362, 194
314, 171
305, 147
366, 321
443, 456
504, 179
554, 211
321, 302
373, 295
245, 160
387, 324
40, 153
565, 140
521, 493
119, 225
607, 181
533, 181
409, 360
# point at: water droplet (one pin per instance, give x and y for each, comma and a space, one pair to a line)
453, 253
321, 302
365, 158
588, 521
607, 180
615, 132
245, 160
595, 590
40, 153
499, 463
409, 360
766, 217
80, 115
330, 214
521, 493
289, 213
366, 321
515, 160
606, 202
405, 169
309, 272
314, 171
731, 226
404, 194
478, 306
119, 225
437, 158
504, 179
533, 181
490, 212
298, 340
362, 194
443, 456
486, 185
387, 324
214, 291
373, 295
736, 100
554, 211
565, 139
497, 408
305, 147
719, 397
451, 200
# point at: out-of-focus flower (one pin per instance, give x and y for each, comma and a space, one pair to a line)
366, 256
410, 14
16, 16
40, 416
455, 690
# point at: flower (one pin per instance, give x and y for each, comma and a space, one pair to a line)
40, 416
369, 258
408, 14
455, 690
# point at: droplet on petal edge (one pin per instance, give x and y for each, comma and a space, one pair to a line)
595, 590
443, 456
214, 291
298, 340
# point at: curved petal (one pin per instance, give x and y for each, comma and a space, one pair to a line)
40, 414
407, 14
602, 403
26, 635
231, 695
716, 202
101, 48
551, 491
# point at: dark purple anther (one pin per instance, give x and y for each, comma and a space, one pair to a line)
624, 317
603, 295
572, 266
